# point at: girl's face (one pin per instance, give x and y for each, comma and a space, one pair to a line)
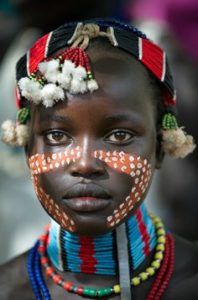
92, 156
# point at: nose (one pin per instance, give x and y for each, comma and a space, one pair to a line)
87, 165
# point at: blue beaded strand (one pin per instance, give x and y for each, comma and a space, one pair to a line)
31, 273
39, 276
39, 287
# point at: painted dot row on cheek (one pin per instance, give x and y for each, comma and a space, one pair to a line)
52, 208
43, 163
139, 169
46, 162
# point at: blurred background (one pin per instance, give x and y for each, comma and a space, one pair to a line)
174, 25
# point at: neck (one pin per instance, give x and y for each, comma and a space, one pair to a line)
98, 255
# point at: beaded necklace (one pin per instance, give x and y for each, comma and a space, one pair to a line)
163, 257
69, 252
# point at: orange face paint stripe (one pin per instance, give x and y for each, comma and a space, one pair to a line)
48, 203
46, 162
138, 169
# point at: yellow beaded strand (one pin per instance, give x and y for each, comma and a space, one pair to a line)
158, 257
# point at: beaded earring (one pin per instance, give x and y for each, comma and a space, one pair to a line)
16, 134
175, 141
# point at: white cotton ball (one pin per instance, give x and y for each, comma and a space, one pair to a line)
50, 69
7, 125
30, 89
51, 93
80, 73
92, 85
22, 134
177, 143
65, 77
8, 131
75, 86
64, 81
78, 86
68, 67
83, 87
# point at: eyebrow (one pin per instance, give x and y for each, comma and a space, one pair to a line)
56, 118
122, 117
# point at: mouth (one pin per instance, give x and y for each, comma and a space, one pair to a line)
86, 198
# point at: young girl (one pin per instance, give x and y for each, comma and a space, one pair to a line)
96, 116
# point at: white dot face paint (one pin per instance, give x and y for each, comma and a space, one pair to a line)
48, 162
140, 171
136, 167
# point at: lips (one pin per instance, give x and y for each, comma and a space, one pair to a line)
86, 198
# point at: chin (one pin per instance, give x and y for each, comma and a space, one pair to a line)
91, 226
92, 232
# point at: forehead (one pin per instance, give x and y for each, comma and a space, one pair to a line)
124, 86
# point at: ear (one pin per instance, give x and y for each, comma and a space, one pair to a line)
159, 151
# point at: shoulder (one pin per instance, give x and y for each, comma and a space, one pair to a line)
184, 282
14, 282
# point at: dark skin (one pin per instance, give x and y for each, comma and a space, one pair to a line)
125, 89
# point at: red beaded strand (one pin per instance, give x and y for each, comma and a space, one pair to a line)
164, 275
170, 268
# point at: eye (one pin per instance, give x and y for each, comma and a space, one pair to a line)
57, 137
119, 136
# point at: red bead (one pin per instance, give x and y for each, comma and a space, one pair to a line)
44, 260
67, 286
43, 237
56, 278
49, 271
41, 249
80, 290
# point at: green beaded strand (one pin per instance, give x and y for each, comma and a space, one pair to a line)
169, 121
23, 115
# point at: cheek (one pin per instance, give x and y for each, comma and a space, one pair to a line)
52, 208
44, 168
140, 173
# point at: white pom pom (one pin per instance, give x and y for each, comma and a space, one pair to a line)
30, 89
50, 70
80, 73
177, 143
64, 78
64, 81
68, 67
92, 85
22, 135
51, 93
9, 133
78, 86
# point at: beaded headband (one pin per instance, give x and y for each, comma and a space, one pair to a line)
43, 77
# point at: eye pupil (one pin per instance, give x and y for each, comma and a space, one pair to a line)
57, 136
120, 136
